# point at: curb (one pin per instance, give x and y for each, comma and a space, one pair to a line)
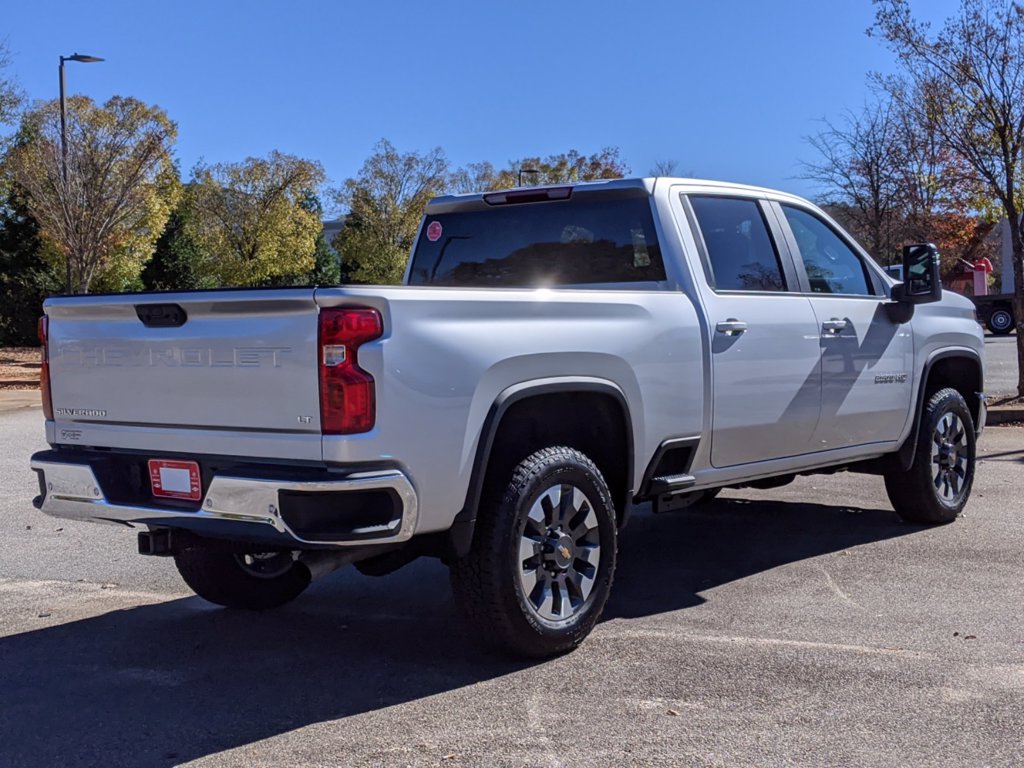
997, 416
33, 383
16, 399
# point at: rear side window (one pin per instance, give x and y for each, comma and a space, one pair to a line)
740, 250
577, 241
831, 265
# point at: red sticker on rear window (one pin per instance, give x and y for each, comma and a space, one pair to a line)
434, 231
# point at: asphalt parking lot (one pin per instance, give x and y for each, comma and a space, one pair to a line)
801, 626
1000, 365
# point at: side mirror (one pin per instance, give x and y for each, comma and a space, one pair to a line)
921, 283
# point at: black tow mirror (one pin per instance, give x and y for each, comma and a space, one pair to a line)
921, 282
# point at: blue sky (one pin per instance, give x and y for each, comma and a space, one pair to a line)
728, 90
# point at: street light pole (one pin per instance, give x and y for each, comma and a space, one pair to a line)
64, 139
64, 163
525, 170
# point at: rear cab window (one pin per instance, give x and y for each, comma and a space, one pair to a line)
741, 255
582, 240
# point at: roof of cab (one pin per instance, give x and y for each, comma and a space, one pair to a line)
646, 185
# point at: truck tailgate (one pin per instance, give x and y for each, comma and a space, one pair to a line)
226, 372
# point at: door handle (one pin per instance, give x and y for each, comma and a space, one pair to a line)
731, 327
834, 326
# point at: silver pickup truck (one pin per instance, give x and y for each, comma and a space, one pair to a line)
555, 356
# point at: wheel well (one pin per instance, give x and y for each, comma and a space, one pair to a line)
593, 423
962, 374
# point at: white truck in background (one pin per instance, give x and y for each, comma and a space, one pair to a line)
555, 356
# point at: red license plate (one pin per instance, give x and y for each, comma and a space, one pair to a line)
175, 479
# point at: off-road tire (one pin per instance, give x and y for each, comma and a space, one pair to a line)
917, 494
488, 587
221, 578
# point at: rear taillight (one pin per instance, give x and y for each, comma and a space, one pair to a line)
347, 397
44, 368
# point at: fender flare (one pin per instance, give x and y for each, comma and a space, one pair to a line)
907, 451
461, 532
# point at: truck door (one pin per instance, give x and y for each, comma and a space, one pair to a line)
765, 357
866, 358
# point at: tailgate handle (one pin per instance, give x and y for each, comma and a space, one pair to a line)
161, 315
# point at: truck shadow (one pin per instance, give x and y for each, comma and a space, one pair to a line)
666, 561
1011, 456
162, 684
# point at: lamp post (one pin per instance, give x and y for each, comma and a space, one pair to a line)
525, 170
64, 133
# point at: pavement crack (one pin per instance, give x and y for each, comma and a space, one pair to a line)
838, 590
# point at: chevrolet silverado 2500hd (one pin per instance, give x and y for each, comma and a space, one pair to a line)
555, 356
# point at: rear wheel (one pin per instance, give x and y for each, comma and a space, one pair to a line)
256, 581
936, 487
543, 557
1000, 321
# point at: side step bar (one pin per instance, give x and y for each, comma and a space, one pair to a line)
669, 484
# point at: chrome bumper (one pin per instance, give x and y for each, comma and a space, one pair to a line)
72, 491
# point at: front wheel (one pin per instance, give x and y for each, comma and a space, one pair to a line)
254, 581
543, 557
936, 487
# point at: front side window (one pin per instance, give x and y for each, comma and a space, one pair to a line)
831, 265
740, 251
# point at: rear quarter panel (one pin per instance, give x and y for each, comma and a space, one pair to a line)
447, 354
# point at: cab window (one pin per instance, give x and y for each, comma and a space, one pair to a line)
831, 265
583, 240
740, 251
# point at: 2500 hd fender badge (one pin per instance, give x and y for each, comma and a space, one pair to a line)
891, 378
80, 412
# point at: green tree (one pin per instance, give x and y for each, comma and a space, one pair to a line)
385, 203
26, 275
177, 263
121, 185
971, 76
10, 94
251, 219
326, 269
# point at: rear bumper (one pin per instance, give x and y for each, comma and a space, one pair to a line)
357, 509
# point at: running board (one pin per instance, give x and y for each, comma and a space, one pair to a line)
670, 484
